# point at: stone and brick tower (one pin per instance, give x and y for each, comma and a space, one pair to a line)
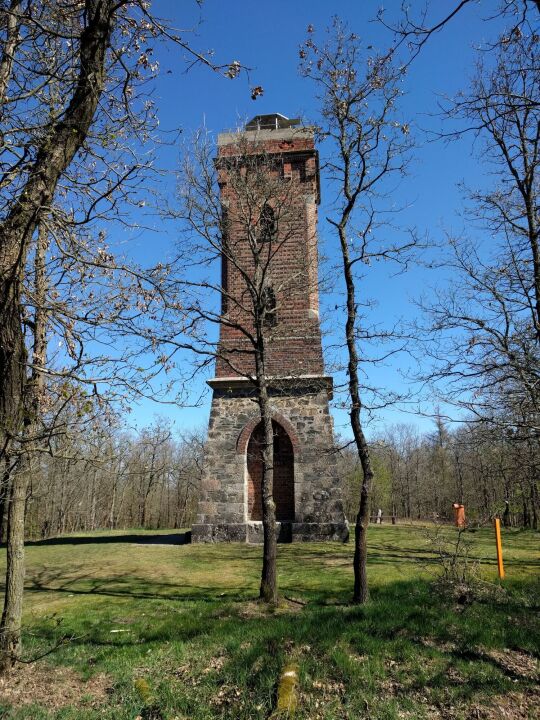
306, 488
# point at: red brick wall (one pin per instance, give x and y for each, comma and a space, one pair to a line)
294, 345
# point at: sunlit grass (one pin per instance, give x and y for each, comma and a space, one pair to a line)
184, 618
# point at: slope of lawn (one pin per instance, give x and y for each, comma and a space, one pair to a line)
159, 630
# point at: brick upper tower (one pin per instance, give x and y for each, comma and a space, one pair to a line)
306, 489
289, 151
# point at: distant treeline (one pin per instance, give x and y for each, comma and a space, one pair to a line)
490, 469
98, 480
151, 479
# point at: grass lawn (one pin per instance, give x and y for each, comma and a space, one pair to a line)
173, 631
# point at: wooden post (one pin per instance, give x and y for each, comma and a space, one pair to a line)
500, 564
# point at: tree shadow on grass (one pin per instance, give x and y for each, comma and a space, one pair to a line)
180, 538
407, 622
125, 585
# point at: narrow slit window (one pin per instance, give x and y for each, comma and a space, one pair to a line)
270, 309
299, 171
267, 224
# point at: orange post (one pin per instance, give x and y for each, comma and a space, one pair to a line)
459, 515
500, 564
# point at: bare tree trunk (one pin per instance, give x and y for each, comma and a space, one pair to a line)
13, 22
459, 479
177, 503
507, 521
142, 514
408, 492
526, 518
52, 159
4, 495
10, 626
269, 588
360, 593
534, 504
112, 523
144, 500
268, 591
12, 354
160, 504
93, 501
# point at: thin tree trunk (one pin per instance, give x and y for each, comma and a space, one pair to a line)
534, 504
459, 478
13, 22
177, 504
160, 506
526, 515
269, 587
113, 504
93, 502
360, 592
506, 514
408, 497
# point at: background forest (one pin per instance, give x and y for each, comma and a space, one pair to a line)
114, 480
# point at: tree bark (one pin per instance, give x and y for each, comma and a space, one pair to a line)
269, 587
10, 625
13, 21
360, 592
534, 504
4, 495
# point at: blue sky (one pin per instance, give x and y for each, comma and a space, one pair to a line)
265, 37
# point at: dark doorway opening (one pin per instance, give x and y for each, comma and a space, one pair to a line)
283, 474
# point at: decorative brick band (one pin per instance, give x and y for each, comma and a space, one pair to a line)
243, 438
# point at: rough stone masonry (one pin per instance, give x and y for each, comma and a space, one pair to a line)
307, 491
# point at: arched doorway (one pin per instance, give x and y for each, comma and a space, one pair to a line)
283, 474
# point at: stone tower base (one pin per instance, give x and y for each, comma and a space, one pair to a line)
227, 509
252, 532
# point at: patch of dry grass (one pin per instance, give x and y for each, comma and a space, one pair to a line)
54, 687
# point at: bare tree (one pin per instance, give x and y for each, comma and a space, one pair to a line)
415, 27
246, 227
484, 329
357, 92
483, 332
30, 181
97, 476
80, 153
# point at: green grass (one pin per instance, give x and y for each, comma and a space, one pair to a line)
190, 627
